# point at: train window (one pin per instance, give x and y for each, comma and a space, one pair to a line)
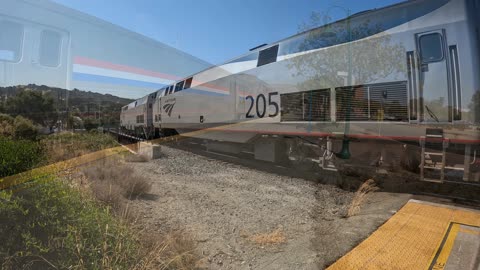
431, 49
179, 86
50, 47
170, 89
11, 39
267, 56
188, 83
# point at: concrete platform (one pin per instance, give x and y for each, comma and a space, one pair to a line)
420, 235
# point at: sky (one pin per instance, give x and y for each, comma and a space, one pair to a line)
217, 30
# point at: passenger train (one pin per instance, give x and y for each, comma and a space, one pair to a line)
363, 88
45, 43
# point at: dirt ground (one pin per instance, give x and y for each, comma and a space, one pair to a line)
242, 218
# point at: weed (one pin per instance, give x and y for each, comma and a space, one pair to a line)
361, 196
175, 250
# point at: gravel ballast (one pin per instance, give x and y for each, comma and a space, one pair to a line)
242, 218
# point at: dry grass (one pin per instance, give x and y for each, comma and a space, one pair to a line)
111, 181
272, 238
176, 250
67, 145
361, 196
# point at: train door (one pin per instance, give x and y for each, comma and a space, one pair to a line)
433, 77
11, 49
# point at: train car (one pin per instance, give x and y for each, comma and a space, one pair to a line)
45, 43
362, 89
136, 118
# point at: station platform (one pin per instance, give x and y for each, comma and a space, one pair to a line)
421, 235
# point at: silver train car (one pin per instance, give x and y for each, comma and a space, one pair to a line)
364, 88
45, 43
136, 118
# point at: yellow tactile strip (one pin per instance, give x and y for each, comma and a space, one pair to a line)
408, 240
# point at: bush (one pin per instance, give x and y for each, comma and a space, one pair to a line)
6, 125
18, 155
24, 128
52, 225
91, 124
109, 179
18, 127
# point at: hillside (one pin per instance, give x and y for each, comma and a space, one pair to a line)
103, 108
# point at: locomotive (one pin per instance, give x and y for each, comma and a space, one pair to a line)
365, 88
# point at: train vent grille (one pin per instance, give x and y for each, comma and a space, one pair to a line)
374, 102
311, 105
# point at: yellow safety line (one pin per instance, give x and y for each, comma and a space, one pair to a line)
442, 258
410, 239
445, 235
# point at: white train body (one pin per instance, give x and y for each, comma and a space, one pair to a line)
383, 79
398, 90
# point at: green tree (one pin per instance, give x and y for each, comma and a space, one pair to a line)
34, 105
90, 123
372, 55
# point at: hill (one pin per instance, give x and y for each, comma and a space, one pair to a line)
102, 108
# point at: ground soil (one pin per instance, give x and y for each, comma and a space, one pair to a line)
231, 212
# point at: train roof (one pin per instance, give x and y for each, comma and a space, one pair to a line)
359, 16
61, 9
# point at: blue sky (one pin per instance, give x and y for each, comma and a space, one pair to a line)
216, 30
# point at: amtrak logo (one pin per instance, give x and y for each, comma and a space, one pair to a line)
168, 108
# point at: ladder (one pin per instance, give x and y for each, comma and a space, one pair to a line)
433, 156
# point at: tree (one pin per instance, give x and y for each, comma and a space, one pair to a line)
371, 55
91, 123
34, 105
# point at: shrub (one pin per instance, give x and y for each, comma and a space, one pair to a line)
6, 125
52, 225
110, 177
18, 155
24, 128
91, 124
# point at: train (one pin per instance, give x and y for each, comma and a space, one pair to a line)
45, 43
365, 89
